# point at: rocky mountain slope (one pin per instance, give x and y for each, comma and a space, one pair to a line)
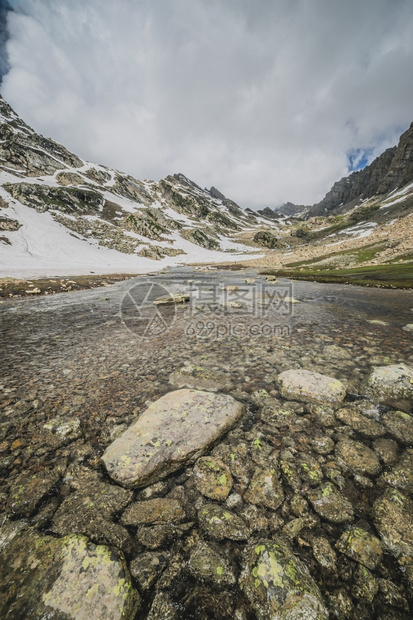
60, 214
392, 170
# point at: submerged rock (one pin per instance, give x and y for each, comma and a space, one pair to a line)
278, 584
359, 545
360, 423
392, 386
212, 478
200, 378
220, 523
207, 564
153, 511
400, 425
324, 554
46, 577
265, 490
330, 504
89, 510
28, 490
393, 518
175, 430
147, 567
358, 457
401, 475
310, 386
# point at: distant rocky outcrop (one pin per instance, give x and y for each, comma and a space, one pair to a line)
392, 170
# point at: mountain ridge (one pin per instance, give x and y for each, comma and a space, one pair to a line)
43, 182
391, 170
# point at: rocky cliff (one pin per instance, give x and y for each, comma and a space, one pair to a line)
392, 170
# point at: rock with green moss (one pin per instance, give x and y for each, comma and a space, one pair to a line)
358, 457
360, 423
361, 546
278, 584
153, 511
366, 585
220, 523
212, 478
392, 386
322, 444
401, 475
175, 430
147, 567
28, 490
309, 469
90, 510
61, 431
206, 564
310, 386
400, 426
324, 554
393, 518
330, 504
46, 577
265, 490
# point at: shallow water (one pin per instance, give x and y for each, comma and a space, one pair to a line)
83, 354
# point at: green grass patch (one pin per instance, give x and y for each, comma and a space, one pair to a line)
384, 276
361, 255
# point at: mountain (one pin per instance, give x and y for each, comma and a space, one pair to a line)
62, 215
392, 170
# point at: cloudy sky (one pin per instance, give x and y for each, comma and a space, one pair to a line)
269, 101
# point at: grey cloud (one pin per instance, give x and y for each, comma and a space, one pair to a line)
263, 100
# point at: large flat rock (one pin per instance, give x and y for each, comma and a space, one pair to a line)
175, 430
392, 386
46, 577
310, 386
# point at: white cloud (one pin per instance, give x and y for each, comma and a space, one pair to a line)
264, 101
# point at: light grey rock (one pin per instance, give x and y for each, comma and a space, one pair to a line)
392, 386
175, 430
46, 577
310, 386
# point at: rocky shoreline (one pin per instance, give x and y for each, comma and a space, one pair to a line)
288, 495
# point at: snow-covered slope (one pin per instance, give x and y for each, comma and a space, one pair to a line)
60, 215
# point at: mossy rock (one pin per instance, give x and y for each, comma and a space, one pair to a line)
45, 577
278, 584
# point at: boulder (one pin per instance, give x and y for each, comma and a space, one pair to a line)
361, 546
400, 426
278, 584
220, 523
206, 564
330, 504
46, 577
310, 386
212, 478
392, 386
153, 511
360, 459
393, 518
175, 430
265, 490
